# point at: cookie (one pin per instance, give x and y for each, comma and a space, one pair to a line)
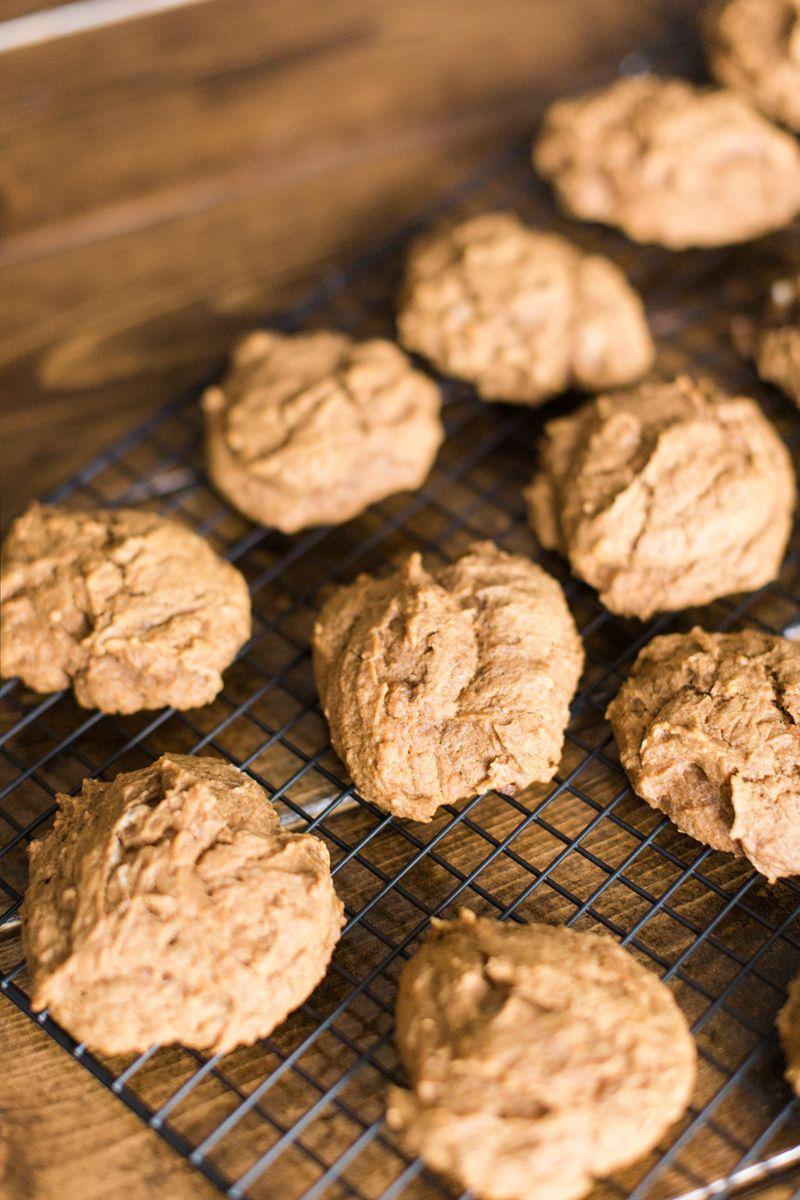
666, 496
671, 163
310, 429
131, 610
707, 729
773, 342
539, 1058
170, 906
754, 46
788, 1023
442, 684
521, 314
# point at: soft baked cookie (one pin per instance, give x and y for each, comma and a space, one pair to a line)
311, 428
754, 46
170, 906
443, 684
707, 729
132, 610
774, 340
671, 163
788, 1023
521, 314
539, 1058
665, 496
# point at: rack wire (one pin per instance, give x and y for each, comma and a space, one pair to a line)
300, 1115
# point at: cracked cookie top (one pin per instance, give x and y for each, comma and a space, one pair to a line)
170, 906
310, 429
754, 46
521, 314
666, 496
670, 163
538, 1058
440, 685
132, 610
707, 729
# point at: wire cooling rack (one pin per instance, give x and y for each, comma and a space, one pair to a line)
300, 1115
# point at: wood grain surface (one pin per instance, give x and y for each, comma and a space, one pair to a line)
164, 185
64, 1137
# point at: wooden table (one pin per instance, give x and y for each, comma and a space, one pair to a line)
164, 184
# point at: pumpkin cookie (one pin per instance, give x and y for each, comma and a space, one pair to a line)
170, 906
707, 729
311, 428
665, 496
539, 1058
671, 163
754, 46
132, 610
521, 314
440, 685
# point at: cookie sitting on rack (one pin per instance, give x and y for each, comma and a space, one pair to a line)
309, 429
133, 610
754, 46
708, 729
521, 314
665, 496
438, 685
170, 906
539, 1058
670, 163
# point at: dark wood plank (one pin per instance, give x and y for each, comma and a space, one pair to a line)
90, 124
63, 1137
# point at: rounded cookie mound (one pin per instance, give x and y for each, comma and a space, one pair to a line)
170, 906
539, 1058
440, 685
707, 729
666, 496
310, 429
670, 163
133, 610
788, 1023
522, 315
754, 46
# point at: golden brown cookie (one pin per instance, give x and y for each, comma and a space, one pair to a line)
671, 163
521, 314
665, 496
132, 610
707, 729
539, 1058
441, 685
311, 428
169, 906
754, 46
788, 1023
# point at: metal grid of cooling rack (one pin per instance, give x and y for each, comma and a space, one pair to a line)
299, 1116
